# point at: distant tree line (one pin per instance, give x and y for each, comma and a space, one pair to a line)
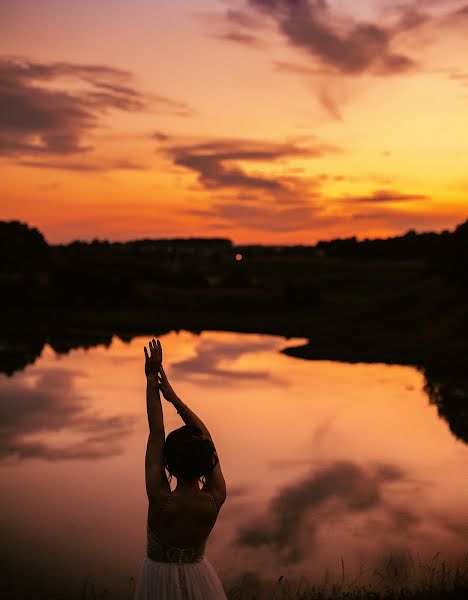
101, 273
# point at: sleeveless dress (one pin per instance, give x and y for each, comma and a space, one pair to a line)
171, 573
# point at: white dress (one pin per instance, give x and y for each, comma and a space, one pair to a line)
171, 573
173, 581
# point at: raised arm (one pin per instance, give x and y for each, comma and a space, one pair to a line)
155, 474
214, 481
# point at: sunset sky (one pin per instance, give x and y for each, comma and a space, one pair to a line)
273, 121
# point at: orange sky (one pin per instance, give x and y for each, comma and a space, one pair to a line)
273, 121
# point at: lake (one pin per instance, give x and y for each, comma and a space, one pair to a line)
329, 465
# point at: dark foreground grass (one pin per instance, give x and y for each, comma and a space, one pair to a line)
397, 579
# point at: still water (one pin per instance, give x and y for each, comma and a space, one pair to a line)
327, 464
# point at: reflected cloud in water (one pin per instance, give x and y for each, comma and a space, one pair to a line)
296, 513
210, 354
49, 403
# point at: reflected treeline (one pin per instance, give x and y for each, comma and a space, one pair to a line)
448, 390
18, 350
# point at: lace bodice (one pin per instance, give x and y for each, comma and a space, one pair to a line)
159, 550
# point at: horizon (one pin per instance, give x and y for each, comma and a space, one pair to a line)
271, 123
231, 241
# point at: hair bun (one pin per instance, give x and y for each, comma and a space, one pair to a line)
190, 452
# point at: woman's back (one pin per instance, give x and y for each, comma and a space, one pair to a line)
184, 519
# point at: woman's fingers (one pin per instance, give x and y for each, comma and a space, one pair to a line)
146, 353
155, 349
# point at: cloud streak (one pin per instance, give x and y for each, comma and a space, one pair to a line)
214, 162
384, 197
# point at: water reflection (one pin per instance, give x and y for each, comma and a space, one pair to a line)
323, 495
43, 403
323, 460
446, 387
211, 354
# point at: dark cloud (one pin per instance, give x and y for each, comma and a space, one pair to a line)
90, 166
384, 196
159, 136
340, 488
39, 120
246, 39
214, 162
461, 12
350, 47
52, 404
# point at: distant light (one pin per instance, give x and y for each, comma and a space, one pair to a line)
238, 256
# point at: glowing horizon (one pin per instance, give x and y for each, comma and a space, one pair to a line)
261, 121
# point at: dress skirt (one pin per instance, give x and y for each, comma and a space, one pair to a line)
173, 581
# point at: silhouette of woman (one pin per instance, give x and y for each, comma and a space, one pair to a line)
179, 521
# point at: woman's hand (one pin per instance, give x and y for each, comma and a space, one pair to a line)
153, 360
165, 386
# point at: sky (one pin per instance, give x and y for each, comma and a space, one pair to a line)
263, 121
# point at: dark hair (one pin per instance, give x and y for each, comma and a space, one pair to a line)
189, 453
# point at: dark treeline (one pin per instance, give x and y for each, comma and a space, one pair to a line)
100, 273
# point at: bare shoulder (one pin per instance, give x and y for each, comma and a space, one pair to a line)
217, 496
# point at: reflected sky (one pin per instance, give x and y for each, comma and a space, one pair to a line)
323, 460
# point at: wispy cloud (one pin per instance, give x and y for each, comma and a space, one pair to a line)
384, 196
342, 44
83, 165
246, 39
336, 44
214, 162
251, 183
42, 116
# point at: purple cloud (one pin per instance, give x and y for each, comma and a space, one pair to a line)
38, 121
214, 162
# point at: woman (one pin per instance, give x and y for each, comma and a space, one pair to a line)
179, 521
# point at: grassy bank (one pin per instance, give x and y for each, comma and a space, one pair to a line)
396, 579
